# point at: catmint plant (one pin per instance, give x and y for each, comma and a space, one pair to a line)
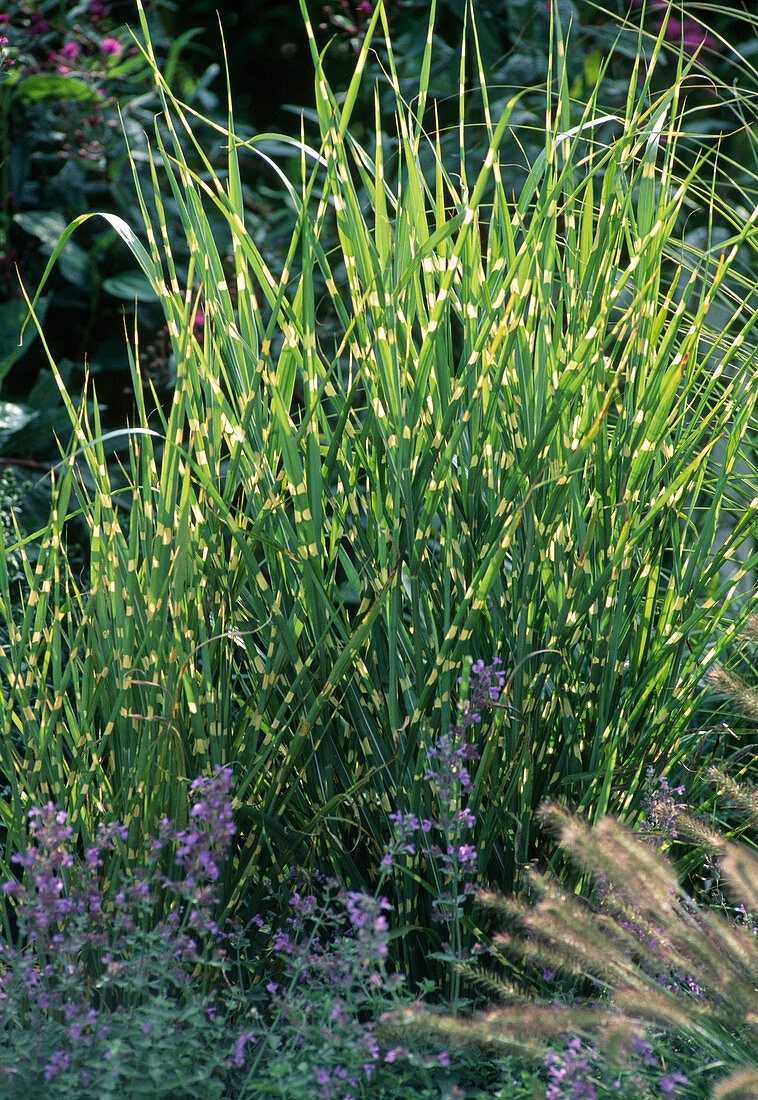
98, 998
662, 805
329, 983
580, 1072
570, 1074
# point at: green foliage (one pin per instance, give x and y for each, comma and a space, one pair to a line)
484, 424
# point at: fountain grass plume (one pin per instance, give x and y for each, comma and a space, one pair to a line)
655, 959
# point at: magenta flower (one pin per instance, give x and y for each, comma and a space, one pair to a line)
70, 51
111, 46
687, 31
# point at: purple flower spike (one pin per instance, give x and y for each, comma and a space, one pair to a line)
571, 1073
667, 1084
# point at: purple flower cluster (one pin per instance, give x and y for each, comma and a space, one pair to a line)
331, 957
200, 849
90, 951
58, 896
661, 807
448, 772
667, 1082
577, 1071
570, 1074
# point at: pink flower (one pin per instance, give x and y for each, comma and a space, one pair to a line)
690, 33
70, 51
111, 46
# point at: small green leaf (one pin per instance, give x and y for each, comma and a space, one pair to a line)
130, 285
42, 86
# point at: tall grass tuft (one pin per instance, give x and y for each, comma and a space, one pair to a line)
457, 423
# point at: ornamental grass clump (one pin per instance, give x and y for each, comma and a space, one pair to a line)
455, 420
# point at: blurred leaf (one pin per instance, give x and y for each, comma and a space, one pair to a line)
48, 227
177, 46
43, 86
129, 286
130, 66
45, 418
12, 419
